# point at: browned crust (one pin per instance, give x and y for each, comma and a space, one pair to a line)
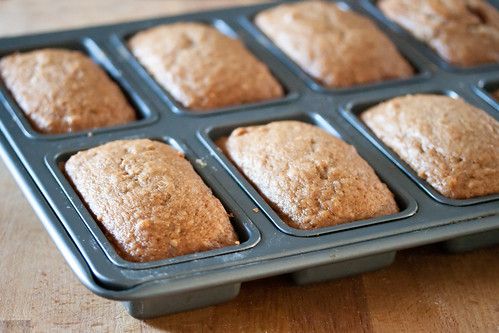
203, 68
149, 200
309, 177
64, 91
449, 143
338, 48
463, 32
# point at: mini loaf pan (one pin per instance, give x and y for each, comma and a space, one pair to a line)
406, 204
247, 233
268, 246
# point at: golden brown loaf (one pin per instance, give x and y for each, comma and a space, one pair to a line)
149, 200
64, 91
337, 47
463, 32
311, 178
202, 68
449, 143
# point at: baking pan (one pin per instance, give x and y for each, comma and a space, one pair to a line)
268, 246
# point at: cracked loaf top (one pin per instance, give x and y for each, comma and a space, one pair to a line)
309, 177
64, 91
463, 32
202, 68
449, 143
337, 47
149, 201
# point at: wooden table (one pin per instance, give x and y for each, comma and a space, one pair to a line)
425, 290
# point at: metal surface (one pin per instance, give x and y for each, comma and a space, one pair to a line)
268, 246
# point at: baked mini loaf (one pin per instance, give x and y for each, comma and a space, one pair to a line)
337, 47
309, 177
463, 32
202, 68
449, 143
149, 201
64, 91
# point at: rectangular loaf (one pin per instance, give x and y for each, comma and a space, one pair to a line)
463, 32
202, 68
309, 177
149, 201
337, 47
449, 143
64, 91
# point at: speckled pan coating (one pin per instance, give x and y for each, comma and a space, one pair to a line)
449, 143
149, 200
64, 91
202, 68
337, 47
463, 32
311, 178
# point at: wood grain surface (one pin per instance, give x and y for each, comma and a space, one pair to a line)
425, 290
